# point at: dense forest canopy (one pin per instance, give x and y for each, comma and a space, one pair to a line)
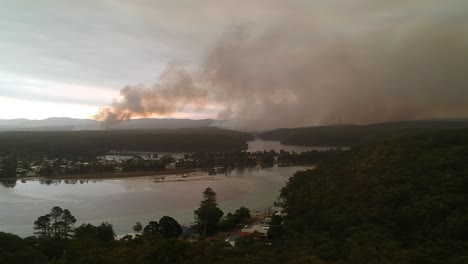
352, 135
400, 201
92, 143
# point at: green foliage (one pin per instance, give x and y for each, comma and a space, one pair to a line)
14, 250
276, 227
151, 231
57, 224
138, 227
208, 214
43, 226
222, 162
169, 228
8, 166
401, 201
72, 144
352, 135
242, 213
169, 251
232, 220
86, 231
103, 232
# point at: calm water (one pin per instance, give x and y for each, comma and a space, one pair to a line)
122, 202
261, 145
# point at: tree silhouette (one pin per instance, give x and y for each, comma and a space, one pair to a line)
208, 214
151, 231
42, 226
57, 224
169, 228
138, 227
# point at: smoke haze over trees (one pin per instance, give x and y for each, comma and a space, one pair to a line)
357, 63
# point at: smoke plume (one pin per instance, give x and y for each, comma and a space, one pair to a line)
385, 62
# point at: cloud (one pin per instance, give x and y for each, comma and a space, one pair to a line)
351, 63
268, 63
29, 89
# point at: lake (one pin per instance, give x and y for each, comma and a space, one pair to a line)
261, 145
253, 146
124, 201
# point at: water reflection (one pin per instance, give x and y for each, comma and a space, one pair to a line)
8, 183
262, 145
11, 183
124, 201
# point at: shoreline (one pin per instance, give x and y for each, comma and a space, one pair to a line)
184, 174
114, 175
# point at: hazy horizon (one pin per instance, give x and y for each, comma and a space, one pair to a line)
261, 65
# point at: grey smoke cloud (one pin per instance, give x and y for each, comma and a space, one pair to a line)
357, 62
175, 90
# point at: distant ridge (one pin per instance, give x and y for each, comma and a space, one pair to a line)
74, 124
352, 135
48, 124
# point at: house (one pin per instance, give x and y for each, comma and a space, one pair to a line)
265, 222
261, 227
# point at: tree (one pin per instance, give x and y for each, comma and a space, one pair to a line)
8, 183
105, 232
9, 166
242, 213
14, 250
208, 214
57, 224
166, 159
169, 228
86, 230
276, 227
151, 231
67, 222
55, 215
137, 227
42, 226
171, 251
232, 220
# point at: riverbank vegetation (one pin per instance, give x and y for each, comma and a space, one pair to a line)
153, 164
399, 201
222, 162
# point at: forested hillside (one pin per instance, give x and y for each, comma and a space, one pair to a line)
401, 201
352, 135
91, 143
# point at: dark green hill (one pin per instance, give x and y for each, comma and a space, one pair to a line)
90, 143
400, 201
352, 135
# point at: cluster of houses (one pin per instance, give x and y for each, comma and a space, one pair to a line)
259, 227
45, 167
38, 168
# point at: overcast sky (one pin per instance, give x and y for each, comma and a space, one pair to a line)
68, 58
